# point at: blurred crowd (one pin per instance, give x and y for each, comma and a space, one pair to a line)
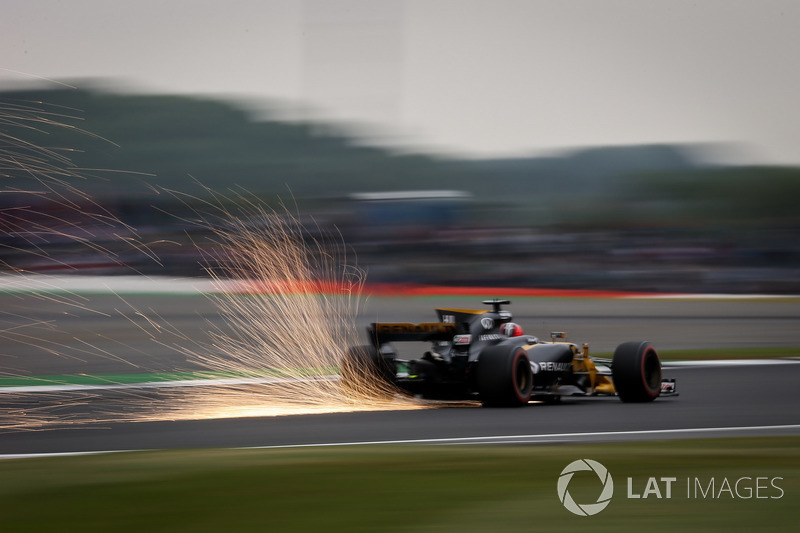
409, 244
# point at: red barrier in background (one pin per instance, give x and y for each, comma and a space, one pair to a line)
391, 289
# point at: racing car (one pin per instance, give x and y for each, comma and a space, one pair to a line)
483, 355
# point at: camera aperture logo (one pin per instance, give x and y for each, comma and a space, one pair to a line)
585, 509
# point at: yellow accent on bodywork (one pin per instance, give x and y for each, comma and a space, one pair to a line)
582, 362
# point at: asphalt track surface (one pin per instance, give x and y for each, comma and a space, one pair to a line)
714, 400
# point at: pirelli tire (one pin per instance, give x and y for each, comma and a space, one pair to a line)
636, 371
504, 377
364, 372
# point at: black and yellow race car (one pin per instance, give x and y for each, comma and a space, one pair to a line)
484, 355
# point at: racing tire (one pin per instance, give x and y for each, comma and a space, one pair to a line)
364, 372
504, 377
636, 372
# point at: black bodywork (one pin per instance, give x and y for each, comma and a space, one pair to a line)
469, 358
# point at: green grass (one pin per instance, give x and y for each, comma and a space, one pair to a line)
151, 377
396, 488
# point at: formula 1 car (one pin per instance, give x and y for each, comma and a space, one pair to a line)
482, 354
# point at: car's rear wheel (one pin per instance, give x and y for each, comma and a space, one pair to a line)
365, 373
504, 377
636, 371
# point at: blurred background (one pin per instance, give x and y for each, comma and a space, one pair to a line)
643, 146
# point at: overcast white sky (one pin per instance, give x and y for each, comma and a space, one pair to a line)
485, 77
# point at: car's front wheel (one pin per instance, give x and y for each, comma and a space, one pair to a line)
636, 371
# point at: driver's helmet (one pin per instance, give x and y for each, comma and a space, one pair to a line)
510, 329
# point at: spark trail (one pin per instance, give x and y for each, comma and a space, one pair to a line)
293, 318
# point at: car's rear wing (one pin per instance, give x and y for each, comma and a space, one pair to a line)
383, 332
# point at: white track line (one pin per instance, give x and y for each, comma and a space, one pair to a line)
62, 454
729, 362
552, 437
136, 284
115, 285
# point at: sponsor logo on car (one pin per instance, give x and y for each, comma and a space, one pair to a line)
425, 327
460, 340
553, 366
667, 387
